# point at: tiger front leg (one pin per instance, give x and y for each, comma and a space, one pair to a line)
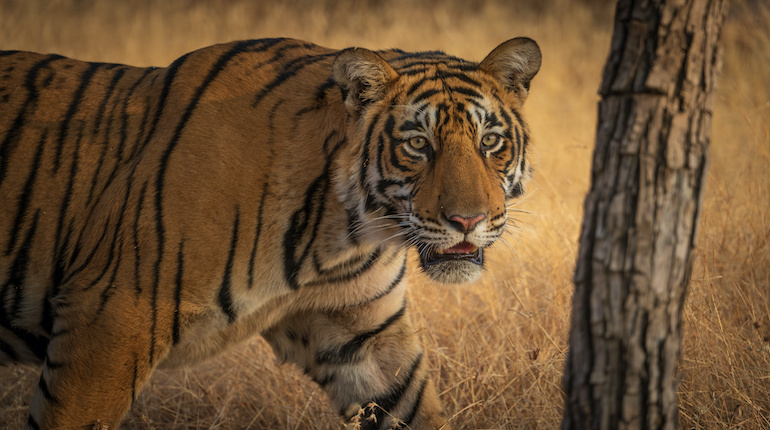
369, 361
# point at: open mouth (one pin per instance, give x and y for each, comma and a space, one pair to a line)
464, 251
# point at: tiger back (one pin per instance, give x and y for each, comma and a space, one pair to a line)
153, 216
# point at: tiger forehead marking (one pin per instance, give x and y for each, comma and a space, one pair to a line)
153, 216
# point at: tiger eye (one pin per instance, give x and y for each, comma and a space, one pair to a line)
418, 143
490, 140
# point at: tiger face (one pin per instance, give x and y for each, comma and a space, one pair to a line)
442, 148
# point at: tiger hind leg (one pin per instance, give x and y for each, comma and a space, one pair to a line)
369, 362
95, 365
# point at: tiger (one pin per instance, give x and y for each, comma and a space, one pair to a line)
151, 217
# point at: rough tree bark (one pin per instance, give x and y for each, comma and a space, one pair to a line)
641, 214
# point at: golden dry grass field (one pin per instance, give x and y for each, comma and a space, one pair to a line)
497, 347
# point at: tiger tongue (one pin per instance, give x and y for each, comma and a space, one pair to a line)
460, 248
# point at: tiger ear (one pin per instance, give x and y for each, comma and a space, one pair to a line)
363, 77
514, 63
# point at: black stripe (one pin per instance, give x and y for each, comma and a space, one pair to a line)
518, 138
503, 148
106, 97
383, 293
422, 55
252, 259
320, 95
125, 117
137, 253
307, 220
290, 69
347, 276
7, 349
442, 117
321, 91
26, 195
365, 155
112, 250
370, 202
170, 74
507, 118
460, 76
417, 84
383, 184
389, 126
419, 68
496, 217
59, 278
225, 295
516, 191
408, 418
473, 119
410, 125
97, 124
345, 265
469, 92
109, 288
387, 130
175, 332
353, 225
329, 138
43, 387
424, 95
389, 401
13, 134
387, 290
515, 113
347, 352
493, 120
515, 148
134, 380
524, 132
117, 239
395, 148
64, 130
144, 134
300, 223
477, 104
15, 283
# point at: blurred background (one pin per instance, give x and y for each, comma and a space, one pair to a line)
497, 347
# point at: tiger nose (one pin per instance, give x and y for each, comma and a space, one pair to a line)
465, 224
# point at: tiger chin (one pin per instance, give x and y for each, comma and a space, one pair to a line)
151, 217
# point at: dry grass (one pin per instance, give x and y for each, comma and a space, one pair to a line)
497, 347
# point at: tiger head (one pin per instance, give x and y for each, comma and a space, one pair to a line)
439, 148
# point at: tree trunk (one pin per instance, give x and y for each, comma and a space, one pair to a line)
641, 215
